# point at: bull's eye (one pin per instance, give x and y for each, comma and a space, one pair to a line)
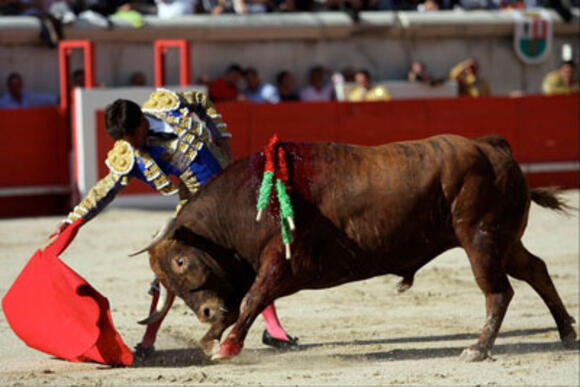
180, 262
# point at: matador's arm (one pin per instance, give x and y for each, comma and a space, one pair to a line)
120, 161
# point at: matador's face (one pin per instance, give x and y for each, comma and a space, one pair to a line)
139, 137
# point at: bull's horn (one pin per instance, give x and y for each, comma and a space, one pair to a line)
158, 237
167, 299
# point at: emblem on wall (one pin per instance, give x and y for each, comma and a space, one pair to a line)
533, 36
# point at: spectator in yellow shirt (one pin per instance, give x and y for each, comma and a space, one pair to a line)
365, 91
561, 81
471, 84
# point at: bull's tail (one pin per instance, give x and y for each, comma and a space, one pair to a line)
549, 197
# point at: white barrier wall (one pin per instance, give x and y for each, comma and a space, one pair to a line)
383, 42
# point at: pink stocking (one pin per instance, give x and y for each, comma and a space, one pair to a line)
272, 324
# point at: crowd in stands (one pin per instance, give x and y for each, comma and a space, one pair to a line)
357, 85
54, 14
239, 84
100, 10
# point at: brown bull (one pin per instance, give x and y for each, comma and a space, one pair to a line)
360, 212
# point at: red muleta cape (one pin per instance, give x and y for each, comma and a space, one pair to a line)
52, 309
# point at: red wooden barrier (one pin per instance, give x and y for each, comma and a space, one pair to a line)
538, 128
34, 154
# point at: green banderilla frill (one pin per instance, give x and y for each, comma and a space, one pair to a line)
286, 215
286, 210
265, 190
286, 236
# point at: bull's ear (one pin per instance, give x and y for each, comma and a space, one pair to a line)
165, 233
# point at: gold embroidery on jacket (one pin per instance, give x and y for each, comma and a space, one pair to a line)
96, 194
121, 158
161, 100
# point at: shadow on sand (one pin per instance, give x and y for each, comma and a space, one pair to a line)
433, 353
196, 357
185, 357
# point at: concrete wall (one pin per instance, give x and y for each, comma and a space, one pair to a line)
383, 42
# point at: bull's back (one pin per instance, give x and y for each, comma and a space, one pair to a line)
396, 200
386, 183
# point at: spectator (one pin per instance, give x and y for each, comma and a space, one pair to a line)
137, 79
317, 90
561, 81
168, 9
225, 88
471, 84
417, 73
427, 6
286, 86
478, 4
244, 7
217, 7
365, 91
78, 78
256, 91
16, 97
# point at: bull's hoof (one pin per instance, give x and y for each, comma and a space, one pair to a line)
472, 354
228, 348
142, 352
291, 343
403, 286
209, 347
569, 340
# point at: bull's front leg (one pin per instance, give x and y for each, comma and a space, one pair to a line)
211, 338
273, 274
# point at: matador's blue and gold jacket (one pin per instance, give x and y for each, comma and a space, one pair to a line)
182, 145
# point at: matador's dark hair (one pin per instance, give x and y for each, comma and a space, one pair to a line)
122, 117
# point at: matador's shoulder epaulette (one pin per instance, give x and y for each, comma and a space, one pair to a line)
161, 100
121, 158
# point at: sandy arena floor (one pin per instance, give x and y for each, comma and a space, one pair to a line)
361, 333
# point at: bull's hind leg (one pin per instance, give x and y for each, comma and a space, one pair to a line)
485, 256
498, 292
525, 266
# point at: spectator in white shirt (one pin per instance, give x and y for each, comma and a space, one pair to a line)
167, 9
258, 91
317, 90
